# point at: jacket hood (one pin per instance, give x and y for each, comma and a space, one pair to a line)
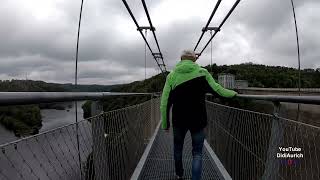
186, 66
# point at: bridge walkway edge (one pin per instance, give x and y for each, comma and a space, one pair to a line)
157, 160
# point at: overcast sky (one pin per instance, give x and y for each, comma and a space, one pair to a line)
38, 38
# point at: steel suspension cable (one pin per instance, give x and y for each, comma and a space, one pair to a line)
208, 22
221, 24
138, 27
298, 53
298, 44
152, 30
76, 83
145, 57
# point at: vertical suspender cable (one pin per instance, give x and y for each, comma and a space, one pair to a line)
298, 53
76, 83
145, 56
211, 53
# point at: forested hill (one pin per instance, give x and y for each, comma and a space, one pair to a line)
153, 84
41, 86
257, 76
269, 76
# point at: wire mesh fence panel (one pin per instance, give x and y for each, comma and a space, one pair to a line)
110, 146
119, 140
254, 145
300, 150
49, 155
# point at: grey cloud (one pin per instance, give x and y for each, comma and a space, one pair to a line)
269, 29
259, 31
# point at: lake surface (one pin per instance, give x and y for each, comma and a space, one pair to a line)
51, 118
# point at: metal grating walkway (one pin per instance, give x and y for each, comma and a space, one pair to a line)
159, 164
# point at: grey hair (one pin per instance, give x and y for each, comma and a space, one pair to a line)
188, 54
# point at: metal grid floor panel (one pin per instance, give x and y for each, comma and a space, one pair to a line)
160, 164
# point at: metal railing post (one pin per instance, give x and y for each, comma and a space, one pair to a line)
99, 145
77, 136
272, 166
151, 115
208, 128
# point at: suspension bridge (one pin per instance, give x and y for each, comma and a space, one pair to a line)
128, 143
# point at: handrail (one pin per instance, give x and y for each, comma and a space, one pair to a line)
24, 98
280, 89
279, 98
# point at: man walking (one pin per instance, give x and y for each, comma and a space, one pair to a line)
185, 90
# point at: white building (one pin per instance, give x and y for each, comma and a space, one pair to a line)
227, 80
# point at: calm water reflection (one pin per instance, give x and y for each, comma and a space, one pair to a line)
51, 118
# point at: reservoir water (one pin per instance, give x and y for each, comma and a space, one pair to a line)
51, 118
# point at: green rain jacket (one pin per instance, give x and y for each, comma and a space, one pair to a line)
185, 89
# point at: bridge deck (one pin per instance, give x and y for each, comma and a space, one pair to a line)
160, 164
